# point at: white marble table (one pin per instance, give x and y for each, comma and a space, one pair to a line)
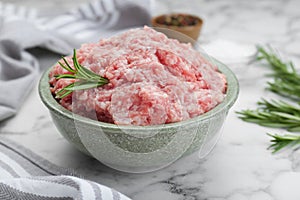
240, 167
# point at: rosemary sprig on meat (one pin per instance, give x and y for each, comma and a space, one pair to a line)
86, 79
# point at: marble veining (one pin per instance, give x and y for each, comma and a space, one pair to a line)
240, 167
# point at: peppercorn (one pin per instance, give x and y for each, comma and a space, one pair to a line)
178, 20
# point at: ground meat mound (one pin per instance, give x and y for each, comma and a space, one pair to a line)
152, 80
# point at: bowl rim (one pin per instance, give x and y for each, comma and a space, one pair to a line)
230, 98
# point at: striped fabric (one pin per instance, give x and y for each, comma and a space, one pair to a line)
25, 175
11, 12
99, 18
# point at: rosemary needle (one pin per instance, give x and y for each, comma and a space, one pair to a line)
279, 142
86, 79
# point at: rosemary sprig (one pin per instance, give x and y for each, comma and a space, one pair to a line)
286, 79
86, 78
278, 114
279, 142
275, 114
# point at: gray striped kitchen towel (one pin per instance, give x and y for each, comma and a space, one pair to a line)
25, 175
99, 18
21, 29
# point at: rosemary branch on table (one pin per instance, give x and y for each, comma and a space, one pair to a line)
86, 79
282, 141
286, 79
277, 113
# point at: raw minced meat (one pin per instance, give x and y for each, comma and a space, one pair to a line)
152, 80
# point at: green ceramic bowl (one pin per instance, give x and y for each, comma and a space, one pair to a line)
140, 148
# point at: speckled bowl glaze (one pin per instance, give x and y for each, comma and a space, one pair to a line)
140, 148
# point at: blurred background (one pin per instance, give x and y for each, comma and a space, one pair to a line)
49, 8
53, 7
234, 19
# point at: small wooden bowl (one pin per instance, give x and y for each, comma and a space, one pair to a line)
190, 29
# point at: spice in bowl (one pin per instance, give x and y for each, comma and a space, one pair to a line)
187, 24
178, 20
